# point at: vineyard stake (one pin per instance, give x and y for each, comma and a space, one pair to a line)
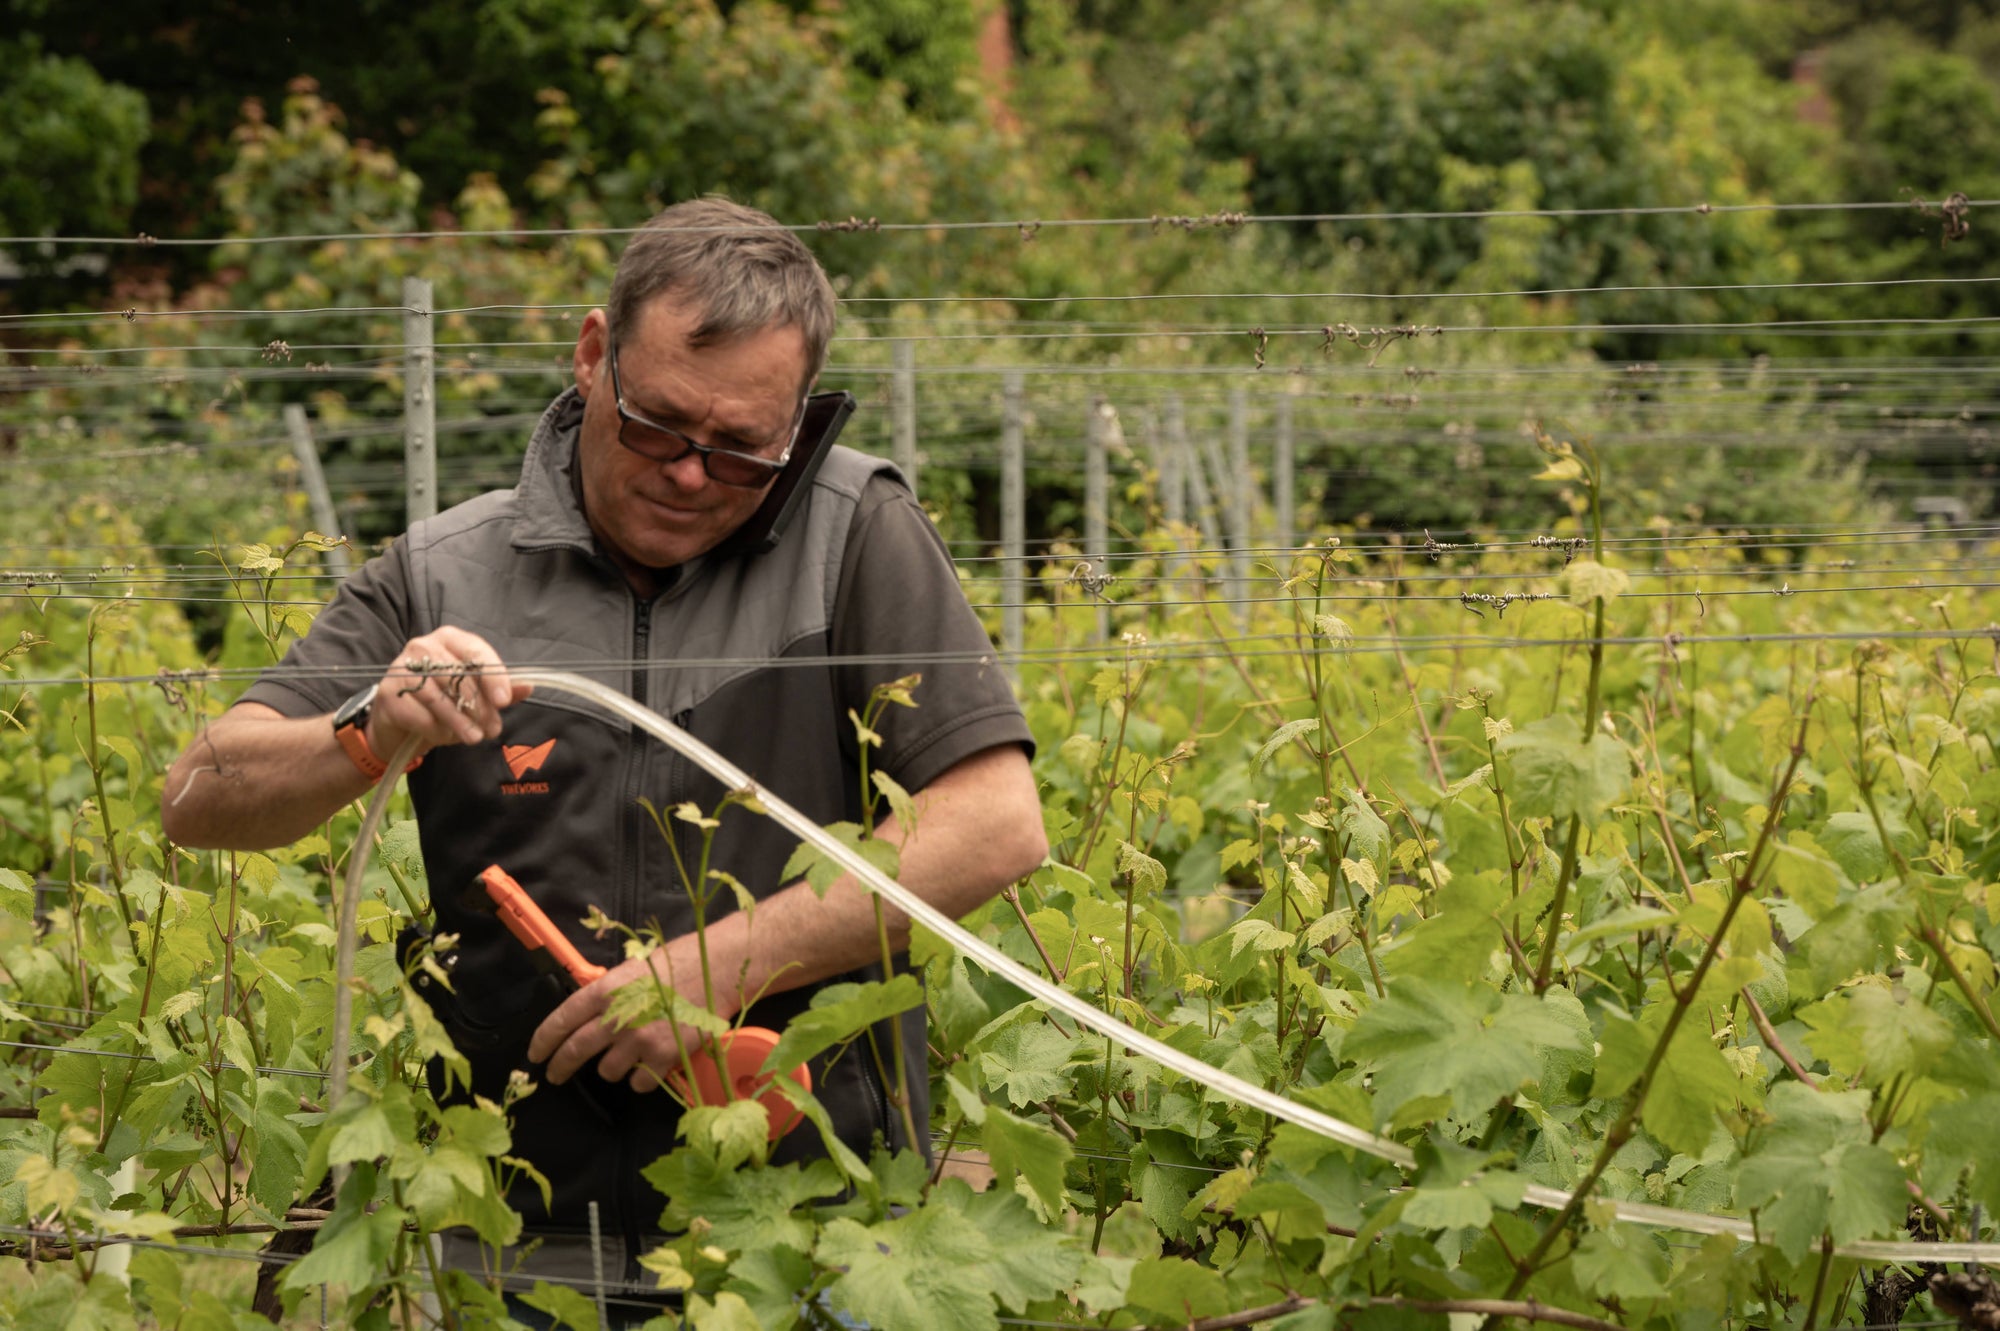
419, 402
1096, 487
597, 1264
300, 431
1013, 518
903, 410
1240, 489
1284, 502
1191, 467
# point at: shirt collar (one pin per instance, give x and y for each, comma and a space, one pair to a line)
548, 502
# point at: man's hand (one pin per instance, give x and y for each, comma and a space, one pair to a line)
447, 687
578, 1031
979, 828
256, 778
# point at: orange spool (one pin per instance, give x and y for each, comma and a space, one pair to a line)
743, 1052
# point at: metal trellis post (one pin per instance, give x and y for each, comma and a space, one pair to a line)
1173, 488
1199, 501
1096, 503
1013, 518
419, 402
903, 410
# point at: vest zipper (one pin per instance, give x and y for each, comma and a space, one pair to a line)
625, 1207
642, 637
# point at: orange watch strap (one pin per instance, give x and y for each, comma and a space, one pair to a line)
355, 740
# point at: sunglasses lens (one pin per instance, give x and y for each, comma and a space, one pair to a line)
647, 442
735, 469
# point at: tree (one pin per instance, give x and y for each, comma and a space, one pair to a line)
1348, 108
69, 159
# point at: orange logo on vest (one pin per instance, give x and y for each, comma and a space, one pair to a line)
521, 760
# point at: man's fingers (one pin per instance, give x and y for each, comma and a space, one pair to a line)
578, 1050
575, 1013
622, 1056
477, 653
641, 1058
448, 686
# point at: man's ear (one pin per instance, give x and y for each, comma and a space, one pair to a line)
587, 361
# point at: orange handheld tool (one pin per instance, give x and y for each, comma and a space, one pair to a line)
743, 1050
525, 920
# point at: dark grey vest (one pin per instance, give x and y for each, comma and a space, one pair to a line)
557, 802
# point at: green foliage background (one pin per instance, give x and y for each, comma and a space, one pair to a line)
1705, 926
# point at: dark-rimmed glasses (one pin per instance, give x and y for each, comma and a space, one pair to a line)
662, 443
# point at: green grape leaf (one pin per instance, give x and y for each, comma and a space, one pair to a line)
1815, 1170
1259, 934
17, 893
1693, 1084
1807, 874
821, 870
1025, 1259
479, 1129
917, 1272
1456, 939
1177, 1289
1866, 1030
1860, 933
1147, 874
372, 1131
1019, 1148
901, 806
281, 1150
1361, 833
1550, 773
1958, 1139
742, 1218
729, 1312
840, 1012
1621, 1262
355, 1245
1027, 1061
569, 1307
768, 1279
1167, 1173
1854, 844
1586, 580
732, 1133
1471, 1044
1284, 735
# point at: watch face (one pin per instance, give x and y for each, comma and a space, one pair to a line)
355, 710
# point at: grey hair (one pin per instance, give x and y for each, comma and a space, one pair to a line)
737, 266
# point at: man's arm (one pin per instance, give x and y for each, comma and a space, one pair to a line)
979, 828
255, 778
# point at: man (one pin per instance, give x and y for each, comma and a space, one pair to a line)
613, 557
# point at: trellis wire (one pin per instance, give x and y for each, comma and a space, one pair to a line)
1155, 221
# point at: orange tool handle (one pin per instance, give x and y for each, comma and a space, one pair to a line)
743, 1050
525, 920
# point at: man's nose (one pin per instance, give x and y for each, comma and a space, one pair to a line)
687, 472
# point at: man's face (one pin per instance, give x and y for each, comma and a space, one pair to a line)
743, 395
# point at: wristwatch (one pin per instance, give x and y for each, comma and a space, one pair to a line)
350, 727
